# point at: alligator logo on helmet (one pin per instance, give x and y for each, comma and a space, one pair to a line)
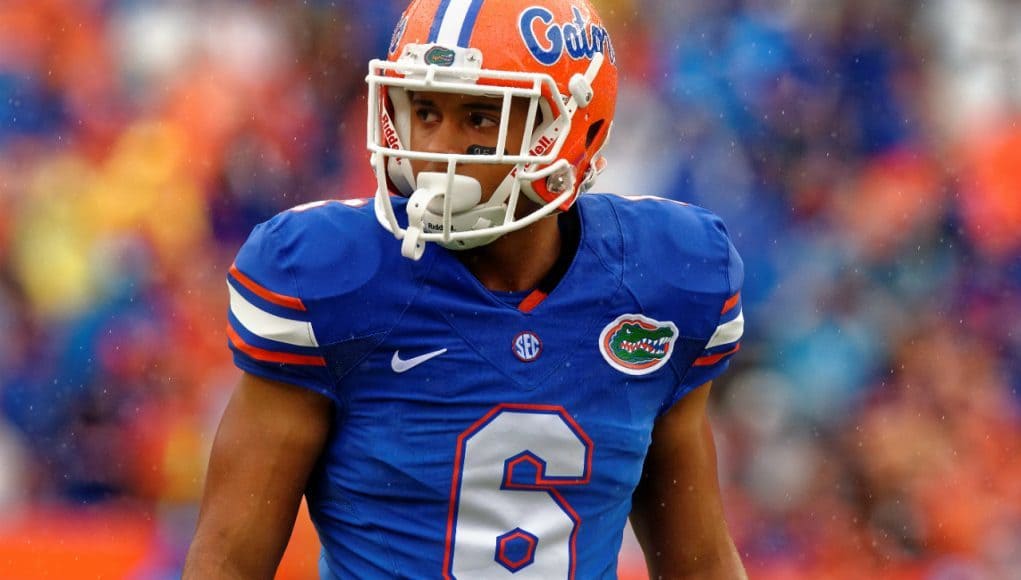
440, 56
636, 344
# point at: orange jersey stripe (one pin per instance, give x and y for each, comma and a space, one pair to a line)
712, 359
265, 293
731, 303
270, 356
532, 300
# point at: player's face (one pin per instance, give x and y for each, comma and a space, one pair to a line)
453, 123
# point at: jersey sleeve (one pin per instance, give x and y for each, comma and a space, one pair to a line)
269, 326
726, 340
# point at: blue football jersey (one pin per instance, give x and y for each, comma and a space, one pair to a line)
473, 438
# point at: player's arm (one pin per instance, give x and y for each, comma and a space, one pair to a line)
268, 441
677, 512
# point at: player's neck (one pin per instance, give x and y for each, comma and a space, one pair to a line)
516, 261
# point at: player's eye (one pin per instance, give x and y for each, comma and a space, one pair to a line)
482, 120
426, 114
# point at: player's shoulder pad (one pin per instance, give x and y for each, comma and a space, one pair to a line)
330, 254
320, 248
679, 259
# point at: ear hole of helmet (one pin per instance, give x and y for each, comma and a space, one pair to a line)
593, 132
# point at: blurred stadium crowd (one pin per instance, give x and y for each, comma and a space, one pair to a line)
866, 156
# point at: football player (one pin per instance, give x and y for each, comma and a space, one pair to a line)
490, 384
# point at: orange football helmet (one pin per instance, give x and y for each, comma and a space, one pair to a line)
555, 53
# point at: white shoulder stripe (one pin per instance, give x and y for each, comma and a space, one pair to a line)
270, 326
728, 332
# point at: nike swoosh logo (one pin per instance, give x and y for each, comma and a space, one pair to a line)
400, 365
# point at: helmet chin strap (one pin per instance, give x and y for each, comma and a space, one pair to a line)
427, 212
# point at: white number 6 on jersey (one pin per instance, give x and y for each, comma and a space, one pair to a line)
507, 519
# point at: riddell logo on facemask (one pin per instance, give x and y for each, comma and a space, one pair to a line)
544, 145
390, 134
437, 228
541, 148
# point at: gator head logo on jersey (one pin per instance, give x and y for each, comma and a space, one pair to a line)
636, 344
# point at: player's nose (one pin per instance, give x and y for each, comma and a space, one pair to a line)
444, 138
